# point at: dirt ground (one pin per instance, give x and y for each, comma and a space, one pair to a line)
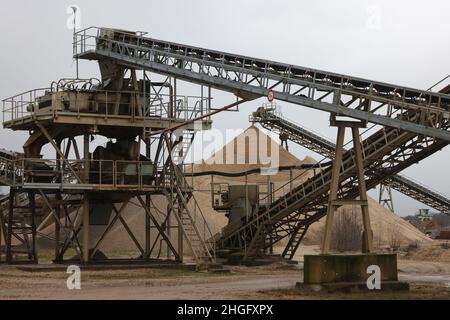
428, 280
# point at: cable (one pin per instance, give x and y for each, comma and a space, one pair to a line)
259, 170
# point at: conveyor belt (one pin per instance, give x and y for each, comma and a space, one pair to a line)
320, 145
251, 78
415, 122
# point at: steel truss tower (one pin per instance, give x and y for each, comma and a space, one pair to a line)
96, 186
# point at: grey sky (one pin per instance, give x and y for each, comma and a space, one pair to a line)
401, 42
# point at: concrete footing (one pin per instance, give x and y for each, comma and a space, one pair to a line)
350, 272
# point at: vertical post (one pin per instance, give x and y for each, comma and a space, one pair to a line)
1, 235
58, 199
86, 201
180, 233
209, 99
10, 228
32, 199
246, 197
168, 224
57, 225
86, 157
147, 203
171, 98
75, 45
333, 189
201, 100
147, 228
368, 237
85, 229
175, 93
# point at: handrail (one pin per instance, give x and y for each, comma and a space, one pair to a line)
183, 181
25, 104
116, 174
241, 60
215, 68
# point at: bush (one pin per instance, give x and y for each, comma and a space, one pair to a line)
347, 230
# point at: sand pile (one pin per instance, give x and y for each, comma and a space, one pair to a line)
438, 251
243, 153
387, 226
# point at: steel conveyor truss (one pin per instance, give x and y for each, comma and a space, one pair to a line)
386, 153
251, 78
314, 142
415, 122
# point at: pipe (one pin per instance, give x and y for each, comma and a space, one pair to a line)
258, 170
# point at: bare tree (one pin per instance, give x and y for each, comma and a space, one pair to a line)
394, 239
347, 230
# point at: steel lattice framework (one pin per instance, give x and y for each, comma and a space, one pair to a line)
314, 142
415, 124
251, 78
416, 121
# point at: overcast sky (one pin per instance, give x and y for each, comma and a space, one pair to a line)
401, 42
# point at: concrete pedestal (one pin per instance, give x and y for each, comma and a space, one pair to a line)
348, 272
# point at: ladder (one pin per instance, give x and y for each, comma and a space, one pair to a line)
189, 216
181, 149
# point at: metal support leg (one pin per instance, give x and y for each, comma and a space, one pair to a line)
10, 226
58, 199
180, 234
86, 230
86, 201
1, 235
368, 245
148, 227
33, 252
57, 217
333, 190
334, 202
147, 203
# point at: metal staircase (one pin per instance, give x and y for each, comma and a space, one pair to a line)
181, 149
190, 217
270, 120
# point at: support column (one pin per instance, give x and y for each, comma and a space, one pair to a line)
57, 226
367, 234
1, 236
334, 202
85, 229
58, 199
86, 201
32, 200
180, 234
10, 227
333, 189
148, 204
148, 227
168, 228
